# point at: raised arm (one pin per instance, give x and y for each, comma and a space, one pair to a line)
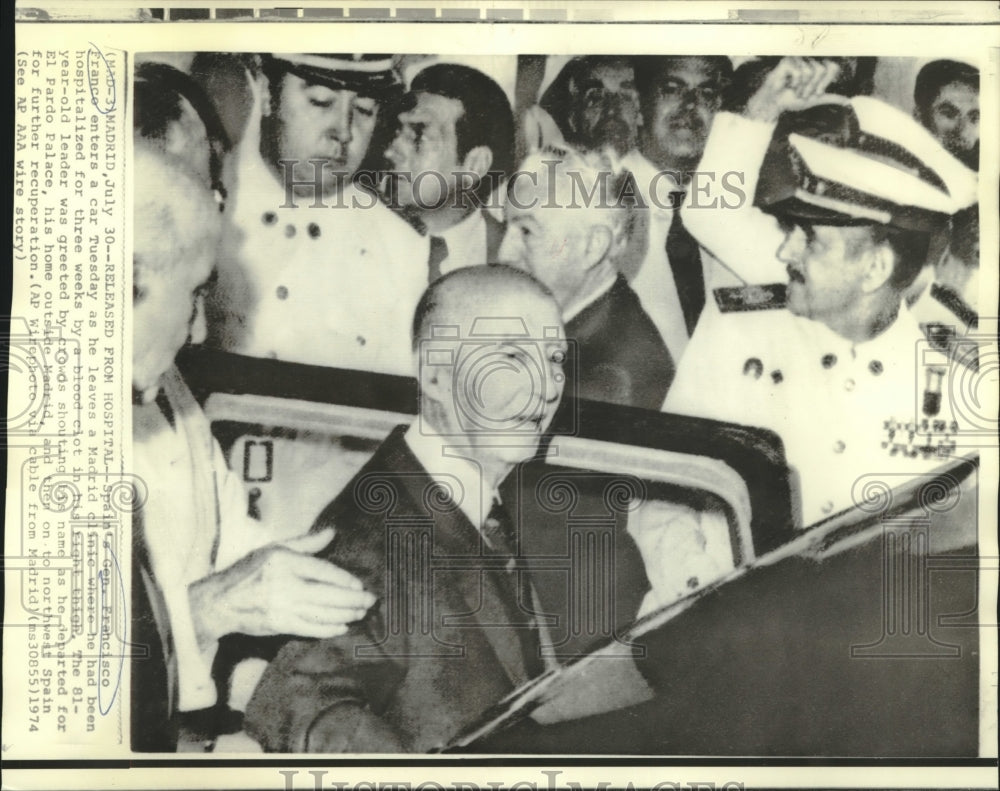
719, 210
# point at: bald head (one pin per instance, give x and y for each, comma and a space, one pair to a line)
176, 228
176, 220
490, 354
473, 297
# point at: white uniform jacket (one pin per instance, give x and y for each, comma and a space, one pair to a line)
854, 418
334, 285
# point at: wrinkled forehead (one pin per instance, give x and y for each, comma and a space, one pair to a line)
510, 314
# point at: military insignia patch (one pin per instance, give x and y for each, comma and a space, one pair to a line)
736, 299
944, 338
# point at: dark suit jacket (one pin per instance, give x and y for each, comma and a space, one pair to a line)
616, 353
431, 655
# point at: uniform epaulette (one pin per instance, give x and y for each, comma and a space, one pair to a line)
738, 299
960, 349
956, 305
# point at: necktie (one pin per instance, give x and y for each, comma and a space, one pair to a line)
684, 256
498, 529
439, 252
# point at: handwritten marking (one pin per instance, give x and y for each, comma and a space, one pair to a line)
93, 69
100, 654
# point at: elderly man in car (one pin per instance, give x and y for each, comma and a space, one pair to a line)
201, 569
424, 527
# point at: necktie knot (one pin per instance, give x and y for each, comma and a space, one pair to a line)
498, 530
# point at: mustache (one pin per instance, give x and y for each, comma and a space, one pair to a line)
613, 131
688, 120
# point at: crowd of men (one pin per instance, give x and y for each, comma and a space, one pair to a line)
768, 245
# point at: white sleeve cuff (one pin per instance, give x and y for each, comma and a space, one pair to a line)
196, 688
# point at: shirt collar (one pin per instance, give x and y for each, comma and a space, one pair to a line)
466, 242
902, 332
648, 177
445, 462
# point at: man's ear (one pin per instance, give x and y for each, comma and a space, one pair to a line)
434, 380
599, 242
478, 161
880, 265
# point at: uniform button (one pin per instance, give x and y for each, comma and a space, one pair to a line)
827, 507
289, 230
753, 367
777, 377
875, 366
269, 218
313, 230
849, 385
829, 360
839, 446
363, 251
282, 292
361, 340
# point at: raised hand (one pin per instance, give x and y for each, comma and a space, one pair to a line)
794, 84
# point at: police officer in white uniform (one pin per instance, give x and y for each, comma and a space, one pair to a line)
314, 267
834, 362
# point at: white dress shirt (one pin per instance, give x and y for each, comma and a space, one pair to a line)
466, 242
194, 522
447, 463
654, 281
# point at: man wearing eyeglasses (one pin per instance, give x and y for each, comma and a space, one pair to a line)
679, 97
602, 104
